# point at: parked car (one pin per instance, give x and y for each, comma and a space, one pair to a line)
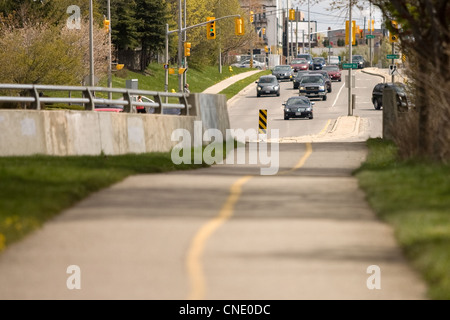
298, 77
400, 89
299, 65
267, 85
359, 60
298, 107
334, 72
283, 72
313, 86
326, 76
246, 64
319, 63
308, 58
139, 109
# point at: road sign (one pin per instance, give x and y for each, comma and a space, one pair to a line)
263, 121
393, 56
349, 65
392, 69
370, 36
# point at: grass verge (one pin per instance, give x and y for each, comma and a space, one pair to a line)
34, 189
414, 197
235, 88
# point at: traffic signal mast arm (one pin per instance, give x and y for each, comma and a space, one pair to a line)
204, 23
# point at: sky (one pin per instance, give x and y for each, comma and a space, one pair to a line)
335, 19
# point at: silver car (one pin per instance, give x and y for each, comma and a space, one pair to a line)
283, 72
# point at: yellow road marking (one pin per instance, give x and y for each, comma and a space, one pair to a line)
325, 128
197, 246
302, 160
194, 265
305, 157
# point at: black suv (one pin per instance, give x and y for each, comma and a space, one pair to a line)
326, 76
313, 86
298, 77
359, 60
377, 95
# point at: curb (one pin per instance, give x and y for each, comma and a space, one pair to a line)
376, 74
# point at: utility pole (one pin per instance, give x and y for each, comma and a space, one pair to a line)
303, 42
393, 62
309, 30
91, 44
350, 43
185, 39
370, 39
291, 42
251, 36
109, 53
166, 66
296, 32
180, 45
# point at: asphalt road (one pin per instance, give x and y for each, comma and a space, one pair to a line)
227, 232
243, 109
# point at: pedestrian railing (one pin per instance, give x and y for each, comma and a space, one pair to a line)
33, 96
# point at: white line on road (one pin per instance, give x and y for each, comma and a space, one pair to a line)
337, 97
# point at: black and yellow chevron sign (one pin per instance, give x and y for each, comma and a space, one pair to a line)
263, 121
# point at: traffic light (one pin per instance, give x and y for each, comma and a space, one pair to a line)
239, 29
266, 49
393, 36
187, 49
373, 25
210, 28
291, 14
106, 24
263, 31
252, 16
353, 32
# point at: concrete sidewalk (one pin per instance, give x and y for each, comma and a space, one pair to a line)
218, 87
307, 233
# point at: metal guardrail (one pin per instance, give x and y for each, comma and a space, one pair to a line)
90, 101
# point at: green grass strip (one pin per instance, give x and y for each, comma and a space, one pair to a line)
414, 197
235, 88
34, 189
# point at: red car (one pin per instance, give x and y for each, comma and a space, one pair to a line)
299, 65
334, 72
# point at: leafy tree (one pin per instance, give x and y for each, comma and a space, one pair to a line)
152, 17
425, 39
48, 54
124, 24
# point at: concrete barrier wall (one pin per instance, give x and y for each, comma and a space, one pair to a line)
61, 133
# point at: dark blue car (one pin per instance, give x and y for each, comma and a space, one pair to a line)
319, 63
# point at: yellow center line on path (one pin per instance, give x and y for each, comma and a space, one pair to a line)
194, 265
197, 247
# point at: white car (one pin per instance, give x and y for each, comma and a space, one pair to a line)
334, 60
246, 64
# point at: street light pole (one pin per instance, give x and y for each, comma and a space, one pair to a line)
180, 45
309, 31
109, 54
91, 44
350, 43
370, 40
